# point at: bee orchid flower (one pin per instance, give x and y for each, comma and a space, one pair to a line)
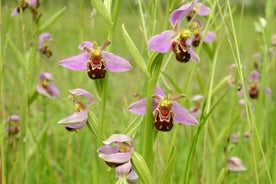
43, 45
79, 118
13, 122
45, 88
165, 111
181, 41
96, 61
189, 10
23, 5
117, 150
234, 164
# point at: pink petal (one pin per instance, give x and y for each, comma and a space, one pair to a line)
45, 75
116, 157
14, 12
254, 76
43, 38
78, 62
118, 138
54, 91
161, 42
108, 149
115, 63
32, 3
75, 121
178, 15
202, 9
138, 107
268, 91
182, 116
210, 37
235, 164
132, 177
124, 169
86, 44
13, 118
194, 56
83, 93
158, 91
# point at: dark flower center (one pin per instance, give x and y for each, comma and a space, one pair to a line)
253, 91
163, 118
181, 51
96, 68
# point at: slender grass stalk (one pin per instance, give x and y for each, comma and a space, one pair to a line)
24, 108
143, 20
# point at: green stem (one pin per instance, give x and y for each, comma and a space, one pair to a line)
2, 127
148, 129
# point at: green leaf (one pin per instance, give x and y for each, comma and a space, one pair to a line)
32, 98
93, 124
155, 62
133, 126
51, 20
270, 8
166, 176
134, 51
141, 168
19, 56
102, 10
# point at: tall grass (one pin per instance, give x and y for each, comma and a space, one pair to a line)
45, 152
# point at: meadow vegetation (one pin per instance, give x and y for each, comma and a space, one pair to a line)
232, 123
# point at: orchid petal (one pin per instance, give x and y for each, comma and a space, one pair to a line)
258, 56
83, 93
14, 12
75, 121
78, 62
46, 75
85, 44
158, 91
120, 157
254, 76
268, 91
235, 164
161, 42
132, 177
210, 37
182, 116
115, 63
50, 92
32, 3
118, 138
108, 149
138, 107
202, 9
43, 38
13, 118
194, 56
54, 90
124, 169
177, 15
